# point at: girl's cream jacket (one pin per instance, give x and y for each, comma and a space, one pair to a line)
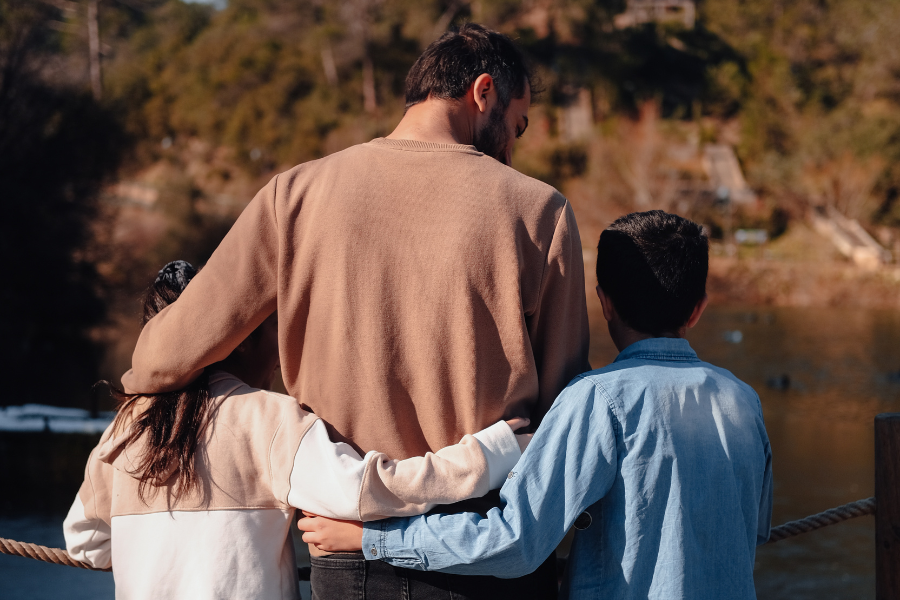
260, 458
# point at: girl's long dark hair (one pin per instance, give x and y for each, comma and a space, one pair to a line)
170, 422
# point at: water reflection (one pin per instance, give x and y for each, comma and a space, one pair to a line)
822, 376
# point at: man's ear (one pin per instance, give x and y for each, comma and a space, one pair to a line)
609, 311
698, 311
484, 93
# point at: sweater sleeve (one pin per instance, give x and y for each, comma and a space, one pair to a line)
477, 464
87, 526
333, 480
233, 293
558, 327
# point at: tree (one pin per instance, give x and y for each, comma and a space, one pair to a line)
56, 147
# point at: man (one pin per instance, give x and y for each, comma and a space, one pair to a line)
424, 289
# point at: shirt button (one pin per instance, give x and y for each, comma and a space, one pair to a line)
374, 551
511, 475
583, 521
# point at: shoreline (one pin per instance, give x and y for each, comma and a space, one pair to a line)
764, 282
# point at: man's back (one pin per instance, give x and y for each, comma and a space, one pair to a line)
692, 496
424, 290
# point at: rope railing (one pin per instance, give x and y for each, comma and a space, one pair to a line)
832, 516
51, 555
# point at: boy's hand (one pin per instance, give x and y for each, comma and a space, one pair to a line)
517, 423
331, 535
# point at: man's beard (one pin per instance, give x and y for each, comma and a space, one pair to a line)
494, 136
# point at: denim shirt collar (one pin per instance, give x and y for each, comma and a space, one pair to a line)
666, 349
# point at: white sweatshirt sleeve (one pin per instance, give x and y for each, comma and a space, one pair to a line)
87, 540
332, 480
88, 534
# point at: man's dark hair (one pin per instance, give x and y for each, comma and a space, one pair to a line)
653, 266
452, 62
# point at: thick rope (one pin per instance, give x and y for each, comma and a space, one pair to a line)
51, 555
831, 516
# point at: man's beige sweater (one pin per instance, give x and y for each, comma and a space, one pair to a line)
424, 291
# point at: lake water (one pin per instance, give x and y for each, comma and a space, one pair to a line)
822, 375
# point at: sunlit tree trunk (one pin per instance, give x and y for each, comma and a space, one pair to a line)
94, 45
369, 102
329, 66
358, 15
445, 19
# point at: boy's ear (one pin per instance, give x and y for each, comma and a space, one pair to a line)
609, 311
698, 311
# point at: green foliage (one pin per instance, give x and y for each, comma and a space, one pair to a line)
825, 92
255, 75
810, 81
555, 163
252, 76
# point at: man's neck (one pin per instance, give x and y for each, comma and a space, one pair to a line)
436, 121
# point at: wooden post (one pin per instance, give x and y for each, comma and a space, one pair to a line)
887, 506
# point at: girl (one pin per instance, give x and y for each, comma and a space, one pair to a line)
192, 493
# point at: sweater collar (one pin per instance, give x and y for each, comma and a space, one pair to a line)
417, 146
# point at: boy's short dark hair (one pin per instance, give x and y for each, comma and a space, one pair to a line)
653, 266
452, 62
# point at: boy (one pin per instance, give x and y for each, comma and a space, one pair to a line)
659, 460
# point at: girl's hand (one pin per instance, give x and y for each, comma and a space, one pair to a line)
517, 423
331, 535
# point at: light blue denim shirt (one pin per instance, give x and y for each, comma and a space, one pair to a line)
668, 458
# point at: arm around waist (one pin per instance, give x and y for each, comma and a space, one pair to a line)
332, 480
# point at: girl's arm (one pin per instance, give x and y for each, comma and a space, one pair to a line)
331, 479
87, 526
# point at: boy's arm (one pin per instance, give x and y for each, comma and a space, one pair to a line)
229, 298
87, 526
332, 480
571, 463
764, 523
558, 326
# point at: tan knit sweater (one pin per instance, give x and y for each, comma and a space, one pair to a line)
424, 291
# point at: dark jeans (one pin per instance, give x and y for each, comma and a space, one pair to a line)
351, 577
